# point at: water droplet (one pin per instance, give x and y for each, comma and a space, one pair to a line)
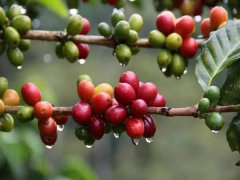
149, 140
81, 61
116, 135
89, 146
122, 64
215, 132
185, 71
178, 77
36, 23
60, 127
197, 18
23, 10
49, 147
164, 69
135, 141
73, 11
131, 0
19, 67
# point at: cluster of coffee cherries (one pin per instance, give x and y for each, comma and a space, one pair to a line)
14, 24
98, 113
48, 122
174, 37
9, 97
125, 33
70, 50
213, 120
218, 18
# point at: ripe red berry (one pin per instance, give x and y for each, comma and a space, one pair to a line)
101, 102
124, 93
48, 127
148, 92
159, 101
116, 115
134, 127
149, 126
184, 26
112, 2
218, 15
30, 93
43, 110
165, 22
96, 127
138, 108
60, 119
85, 90
130, 78
189, 47
83, 50
81, 112
49, 140
86, 26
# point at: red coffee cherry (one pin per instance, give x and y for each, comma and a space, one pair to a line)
116, 114
86, 26
83, 50
48, 140
165, 22
60, 119
82, 112
206, 27
184, 26
130, 78
149, 126
101, 102
48, 127
30, 93
159, 101
43, 110
189, 47
148, 92
218, 15
96, 127
112, 2
138, 108
134, 127
85, 90
124, 93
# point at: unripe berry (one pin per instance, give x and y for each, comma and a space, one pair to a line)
30, 93
24, 44
173, 41
15, 56
13, 11
104, 29
116, 17
11, 36
123, 54
178, 65
214, 121
122, 31
104, 87
156, 38
136, 22
3, 85
21, 23
70, 51
11, 98
7, 123
25, 114
75, 25
85, 90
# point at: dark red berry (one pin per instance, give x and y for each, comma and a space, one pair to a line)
96, 127
48, 140
86, 26
138, 108
48, 127
112, 2
81, 112
60, 119
149, 126
83, 50
134, 127
165, 22
101, 102
43, 110
159, 101
130, 78
30, 93
147, 92
116, 114
124, 93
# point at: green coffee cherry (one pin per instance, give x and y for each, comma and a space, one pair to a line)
15, 56
24, 44
120, 3
123, 54
233, 134
133, 36
122, 31
3, 85
13, 11
89, 141
203, 105
21, 23
213, 94
25, 114
116, 17
72, 4
173, 41
214, 121
83, 77
164, 58
11, 36
74, 25
6, 123
156, 38
3, 18
70, 51
136, 22
2, 47
178, 65
59, 50
135, 50
81, 132
104, 29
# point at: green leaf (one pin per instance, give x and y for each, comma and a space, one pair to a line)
56, 6
220, 51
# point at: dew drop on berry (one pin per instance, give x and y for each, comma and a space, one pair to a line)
164, 69
89, 146
185, 71
49, 147
73, 11
19, 67
198, 18
23, 10
149, 140
178, 77
122, 64
60, 127
116, 135
215, 132
135, 141
81, 61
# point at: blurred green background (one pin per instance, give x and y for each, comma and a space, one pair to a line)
183, 147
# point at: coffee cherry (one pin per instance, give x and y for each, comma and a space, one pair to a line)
116, 17
83, 77
48, 140
124, 93
83, 50
206, 27
86, 26
21, 23
89, 141
112, 2
189, 47
164, 58
6, 123
133, 36
104, 87
81, 112
13, 11
147, 92
104, 29
214, 121
123, 54
11, 36
3, 18
173, 41
122, 31
15, 56
85, 90
25, 114
70, 51
31, 93
96, 127
159, 101
213, 94
2, 47
101, 102
81, 132
2, 107
135, 50
136, 22
203, 105
60, 119
47, 127
178, 65
131, 78
184, 26
24, 44
149, 126
165, 22
116, 114
156, 38
59, 50
10, 98
43, 110
138, 108
75, 25
218, 15
3, 85
134, 127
